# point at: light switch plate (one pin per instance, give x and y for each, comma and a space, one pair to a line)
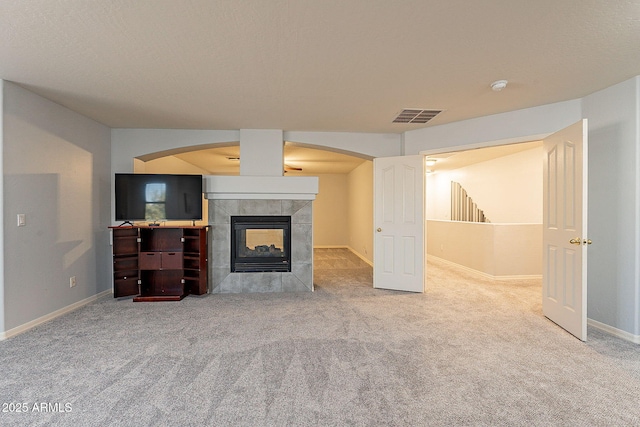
22, 220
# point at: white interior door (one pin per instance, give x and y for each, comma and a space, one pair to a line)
398, 219
564, 292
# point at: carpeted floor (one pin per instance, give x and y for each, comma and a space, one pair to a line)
469, 351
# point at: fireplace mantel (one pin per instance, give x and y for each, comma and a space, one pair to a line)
218, 187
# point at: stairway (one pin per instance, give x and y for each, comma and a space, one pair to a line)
463, 208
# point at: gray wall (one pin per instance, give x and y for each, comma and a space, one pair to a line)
2, 327
614, 219
56, 170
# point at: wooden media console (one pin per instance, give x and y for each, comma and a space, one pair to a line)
159, 263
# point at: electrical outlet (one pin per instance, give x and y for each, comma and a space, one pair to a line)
72, 281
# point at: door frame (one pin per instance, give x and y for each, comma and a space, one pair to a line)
468, 147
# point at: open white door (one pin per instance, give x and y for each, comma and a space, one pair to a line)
564, 277
398, 219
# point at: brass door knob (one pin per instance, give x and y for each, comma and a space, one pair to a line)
579, 241
379, 230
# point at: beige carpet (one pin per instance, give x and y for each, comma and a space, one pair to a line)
467, 352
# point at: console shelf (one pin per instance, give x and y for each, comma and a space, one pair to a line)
159, 263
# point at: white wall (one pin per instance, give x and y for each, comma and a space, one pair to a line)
131, 143
516, 126
261, 152
369, 145
614, 205
360, 210
330, 227
169, 164
496, 250
56, 170
127, 144
508, 189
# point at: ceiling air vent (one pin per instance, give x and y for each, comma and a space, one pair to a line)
411, 115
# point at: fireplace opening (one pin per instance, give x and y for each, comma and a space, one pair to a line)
260, 244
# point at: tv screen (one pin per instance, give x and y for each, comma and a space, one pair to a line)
155, 197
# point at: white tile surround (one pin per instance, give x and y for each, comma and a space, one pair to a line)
260, 195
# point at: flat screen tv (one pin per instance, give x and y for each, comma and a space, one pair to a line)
158, 197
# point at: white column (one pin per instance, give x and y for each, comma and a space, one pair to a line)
261, 152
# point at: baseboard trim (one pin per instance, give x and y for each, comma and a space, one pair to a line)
43, 319
614, 331
356, 253
359, 255
482, 273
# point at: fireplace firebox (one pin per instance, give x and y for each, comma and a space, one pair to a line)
260, 244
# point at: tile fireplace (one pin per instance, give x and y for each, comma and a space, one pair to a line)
258, 200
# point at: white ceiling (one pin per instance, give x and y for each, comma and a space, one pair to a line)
323, 65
